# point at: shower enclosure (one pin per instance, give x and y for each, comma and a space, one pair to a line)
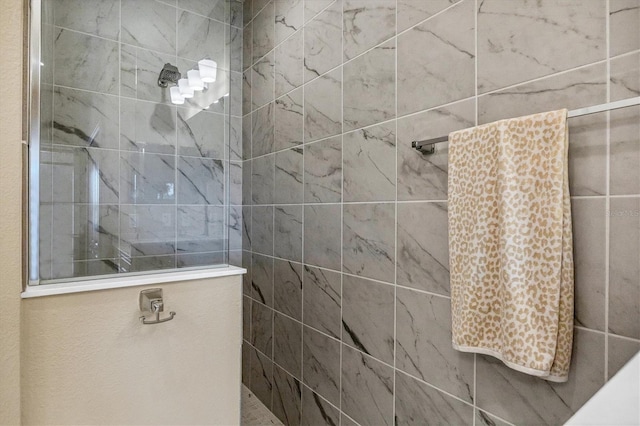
123, 178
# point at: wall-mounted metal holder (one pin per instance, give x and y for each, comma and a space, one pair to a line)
427, 147
151, 301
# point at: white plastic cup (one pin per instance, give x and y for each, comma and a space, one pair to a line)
195, 82
185, 90
176, 97
208, 70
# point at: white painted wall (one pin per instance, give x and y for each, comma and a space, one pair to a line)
11, 45
87, 359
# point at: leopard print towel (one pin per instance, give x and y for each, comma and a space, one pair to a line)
510, 243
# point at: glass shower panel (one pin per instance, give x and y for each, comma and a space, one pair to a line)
129, 181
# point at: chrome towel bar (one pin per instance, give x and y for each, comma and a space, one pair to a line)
426, 146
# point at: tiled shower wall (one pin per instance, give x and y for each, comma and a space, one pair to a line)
347, 310
130, 182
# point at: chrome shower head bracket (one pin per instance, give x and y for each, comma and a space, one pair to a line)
168, 74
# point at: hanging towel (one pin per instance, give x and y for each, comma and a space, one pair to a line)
510, 243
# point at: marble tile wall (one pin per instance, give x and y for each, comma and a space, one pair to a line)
129, 181
347, 310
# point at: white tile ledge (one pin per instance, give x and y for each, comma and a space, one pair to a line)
128, 281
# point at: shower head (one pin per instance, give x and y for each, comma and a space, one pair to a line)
169, 74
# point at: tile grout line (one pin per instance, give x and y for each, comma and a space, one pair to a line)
366, 355
607, 222
395, 272
490, 92
273, 213
341, 365
373, 280
338, 339
302, 267
438, 107
251, 239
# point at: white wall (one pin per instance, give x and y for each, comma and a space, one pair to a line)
11, 34
87, 359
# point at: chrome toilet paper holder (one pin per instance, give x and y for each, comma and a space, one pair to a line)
151, 301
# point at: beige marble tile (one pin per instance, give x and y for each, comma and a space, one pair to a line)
423, 327
370, 87
519, 40
624, 16
366, 24
411, 12
368, 240
424, 177
417, 403
523, 399
323, 42
289, 16
322, 111
423, 243
620, 351
369, 175
589, 236
574, 89
624, 167
444, 72
367, 388
624, 269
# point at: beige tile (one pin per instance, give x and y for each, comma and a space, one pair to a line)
625, 76
322, 300
519, 40
624, 16
289, 120
370, 87
366, 24
588, 155
322, 106
289, 16
624, 268
263, 31
261, 383
625, 151
411, 12
620, 351
321, 363
444, 72
287, 344
323, 42
369, 175
287, 397
574, 89
424, 177
317, 411
416, 402
262, 81
367, 388
367, 317
287, 288
289, 64
519, 398
423, 328
589, 220
368, 240
423, 243
323, 171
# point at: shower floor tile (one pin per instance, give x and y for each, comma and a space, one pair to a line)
254, 413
